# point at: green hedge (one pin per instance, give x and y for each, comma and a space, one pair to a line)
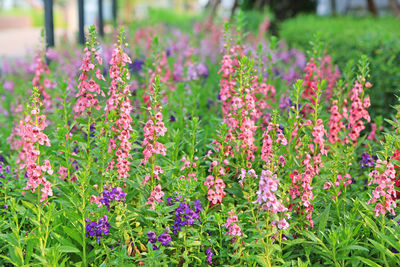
347, 38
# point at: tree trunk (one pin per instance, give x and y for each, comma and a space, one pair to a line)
372, 7
234, 7
211, 8
394, 5
214, 8
333, 7
259, 4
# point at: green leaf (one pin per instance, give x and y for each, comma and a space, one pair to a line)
8, 259
323, 219
73, 233
367, 261
354, 247
381, 248
17, 255
29, 205
68, 249
29, 250
261, 260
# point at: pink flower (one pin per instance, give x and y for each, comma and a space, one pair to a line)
267, 147
283, 224
63, 172
281, 161
88, 88
151, 134
119, 100
327, 185
301, 188
146, 179
216, 194
318, 134
268, 185
155, 196
358, 111
233, 228
209, 181
29, 158
383, 194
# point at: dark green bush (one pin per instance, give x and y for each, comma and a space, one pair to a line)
347, 38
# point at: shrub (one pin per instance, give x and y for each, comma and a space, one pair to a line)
348, 38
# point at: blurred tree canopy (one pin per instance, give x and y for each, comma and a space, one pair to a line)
282, 9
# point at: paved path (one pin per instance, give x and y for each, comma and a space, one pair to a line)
15, 43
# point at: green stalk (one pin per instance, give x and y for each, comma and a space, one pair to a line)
67, 152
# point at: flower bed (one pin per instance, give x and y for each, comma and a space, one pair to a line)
166, 148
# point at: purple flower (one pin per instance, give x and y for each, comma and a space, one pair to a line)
209, 254
110, 194
75, 165
291, 75
300, 58
197, 206
7, 69
76, 150
103, 225
92, 128
185, 215
136, 66
170, 201
367, 160
190, 216
178, 72
285, 103
202, 70
152, 237
52, 54
91, 228
4, 170
98, 229
8, 85
192, 73
165, 239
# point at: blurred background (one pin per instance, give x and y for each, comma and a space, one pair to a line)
21, 21
347, 28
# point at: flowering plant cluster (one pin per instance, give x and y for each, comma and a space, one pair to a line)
164, 239
110, 194
185, 215
210, 148
97, 229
